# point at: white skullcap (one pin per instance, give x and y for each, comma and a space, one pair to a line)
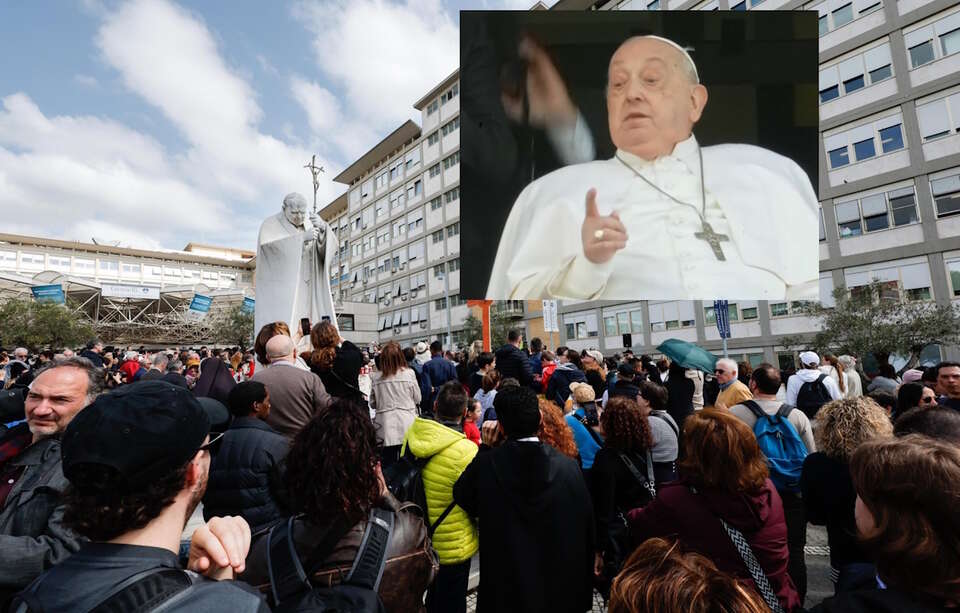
682, 51
809, 357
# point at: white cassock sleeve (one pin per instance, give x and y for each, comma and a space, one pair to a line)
541, 254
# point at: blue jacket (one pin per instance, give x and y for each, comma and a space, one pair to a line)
440, 371
586, 444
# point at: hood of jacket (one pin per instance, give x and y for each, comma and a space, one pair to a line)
426, 437
528, 474
747, 512
806, 375
566, 366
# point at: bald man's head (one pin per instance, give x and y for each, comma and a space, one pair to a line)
280, 347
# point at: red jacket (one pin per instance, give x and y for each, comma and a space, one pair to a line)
545, 377
693, 519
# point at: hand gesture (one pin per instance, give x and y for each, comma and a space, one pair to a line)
218, 549
318, 225
549, 102
602, 235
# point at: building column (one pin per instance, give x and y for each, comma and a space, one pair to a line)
763, 312
647, 331
701, 321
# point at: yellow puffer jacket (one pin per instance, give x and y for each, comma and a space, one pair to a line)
455, 539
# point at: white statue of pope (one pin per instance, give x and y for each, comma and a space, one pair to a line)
294, 253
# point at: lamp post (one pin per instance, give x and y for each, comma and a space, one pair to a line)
446, 298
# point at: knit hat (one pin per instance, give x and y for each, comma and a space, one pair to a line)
582, 392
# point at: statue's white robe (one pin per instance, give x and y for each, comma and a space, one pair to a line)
292, 276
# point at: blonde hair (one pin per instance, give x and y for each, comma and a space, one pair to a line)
842, 425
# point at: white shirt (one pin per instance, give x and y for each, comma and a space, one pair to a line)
762, 201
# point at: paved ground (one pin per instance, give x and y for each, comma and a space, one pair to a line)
818, 573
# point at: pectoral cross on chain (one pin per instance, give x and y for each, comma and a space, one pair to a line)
714, 239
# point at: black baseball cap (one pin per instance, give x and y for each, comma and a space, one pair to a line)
626, 369
144, 431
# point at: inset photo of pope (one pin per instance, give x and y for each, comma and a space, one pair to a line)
688, 175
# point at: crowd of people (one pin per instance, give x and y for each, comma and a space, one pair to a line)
331, 477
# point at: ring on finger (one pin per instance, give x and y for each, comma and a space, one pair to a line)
598, 235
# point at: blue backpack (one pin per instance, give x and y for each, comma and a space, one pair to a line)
780, 443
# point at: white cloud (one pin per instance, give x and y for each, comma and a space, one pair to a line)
213, 107
383, 55
344, 137
86, 80
81, 176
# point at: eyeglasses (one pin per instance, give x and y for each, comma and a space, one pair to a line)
928, 400
717, 371
213, 447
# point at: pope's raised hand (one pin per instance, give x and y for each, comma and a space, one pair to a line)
602, 235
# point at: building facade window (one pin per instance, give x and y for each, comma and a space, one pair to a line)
450, 94
934, 40
434, 170
437, 237
946, 194
436, 203
451, 160
453, 229
902, 280
940, 117
864, 142
433, 138
433, 107
451, 126
875, 212
838, 13
451, 195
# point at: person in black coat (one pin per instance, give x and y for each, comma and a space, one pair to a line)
680, 391
514, 362
614, 487
537, 541
245, 473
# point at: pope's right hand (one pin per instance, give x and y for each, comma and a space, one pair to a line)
602, 235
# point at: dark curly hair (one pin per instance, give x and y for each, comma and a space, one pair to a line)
331, 465
101, 510
625, 428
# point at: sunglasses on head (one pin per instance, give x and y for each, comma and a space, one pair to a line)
214, 445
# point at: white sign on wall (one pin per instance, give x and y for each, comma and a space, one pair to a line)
116, 290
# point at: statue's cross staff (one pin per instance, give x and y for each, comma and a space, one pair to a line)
315, 173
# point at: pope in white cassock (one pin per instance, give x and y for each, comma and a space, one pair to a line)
664, 218
293, 255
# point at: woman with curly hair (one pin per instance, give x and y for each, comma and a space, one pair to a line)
724, 496
554, 431
622, 478
333, 480
827, 488
336, 361
660, 578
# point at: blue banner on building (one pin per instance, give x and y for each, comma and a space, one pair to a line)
199, 307
49, 293
249, 304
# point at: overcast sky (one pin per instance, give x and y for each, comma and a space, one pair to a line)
156, 123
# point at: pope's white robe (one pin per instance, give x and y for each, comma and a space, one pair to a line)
291, 278
761, 200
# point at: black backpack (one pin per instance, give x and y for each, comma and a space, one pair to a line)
150, 591
812, 396
405, 481
356, 593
